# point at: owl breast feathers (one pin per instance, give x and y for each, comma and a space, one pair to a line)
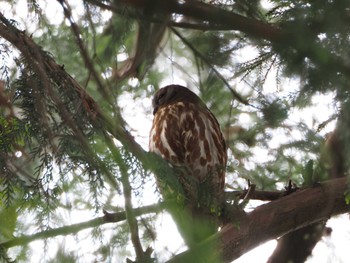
187, 134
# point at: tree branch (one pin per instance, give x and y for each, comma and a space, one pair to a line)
121, 216
199, 11
217, 17
75, 228
258, 194
98, 119
141, 256
272, 220
297, 246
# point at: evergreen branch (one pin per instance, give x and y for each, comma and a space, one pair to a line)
131, 219
45, 66
100, 121
197, 10
75, 228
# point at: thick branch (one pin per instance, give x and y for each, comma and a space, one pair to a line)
277, 218
199, 11
213, 17
297, 246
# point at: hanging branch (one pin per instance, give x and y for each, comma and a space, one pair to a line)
235, 94
141, 255
84, 53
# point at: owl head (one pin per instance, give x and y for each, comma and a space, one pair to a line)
171, 94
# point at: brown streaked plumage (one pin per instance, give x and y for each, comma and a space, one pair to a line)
187, 134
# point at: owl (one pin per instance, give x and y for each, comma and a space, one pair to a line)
187, 135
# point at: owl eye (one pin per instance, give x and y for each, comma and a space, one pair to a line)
160, 96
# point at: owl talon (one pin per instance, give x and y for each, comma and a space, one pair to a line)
232, 214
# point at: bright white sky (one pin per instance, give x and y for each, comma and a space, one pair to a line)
331, 249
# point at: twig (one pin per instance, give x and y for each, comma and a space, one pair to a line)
256, 195
206, 61
248, 195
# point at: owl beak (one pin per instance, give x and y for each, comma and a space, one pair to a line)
155, 110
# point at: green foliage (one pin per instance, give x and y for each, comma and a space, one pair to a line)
4, 257
8, 221
347, 198
274, 113
61, 256
215, 46
308, 173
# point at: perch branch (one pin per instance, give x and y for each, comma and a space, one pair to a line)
272, 220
